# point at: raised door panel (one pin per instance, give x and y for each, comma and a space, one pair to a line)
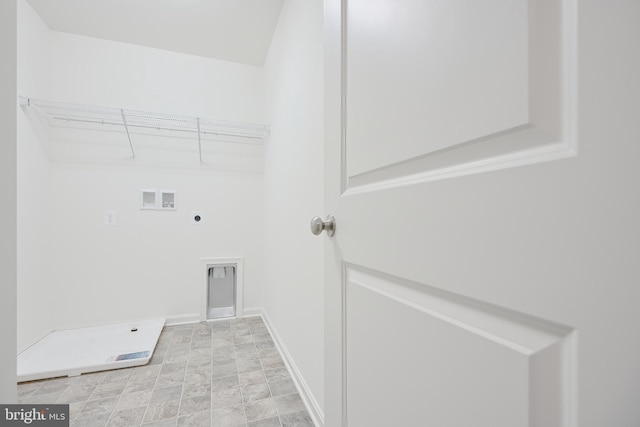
417, 356
433, 85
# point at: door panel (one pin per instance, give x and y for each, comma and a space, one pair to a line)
430, 85
429, 353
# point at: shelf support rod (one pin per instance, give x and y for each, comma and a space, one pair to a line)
199, 142
126, 128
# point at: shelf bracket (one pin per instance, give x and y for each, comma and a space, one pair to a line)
126, 128
199, 142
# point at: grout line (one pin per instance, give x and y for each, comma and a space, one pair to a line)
156, 381
265, 379
235, 357
184, 377
154, 384
269, 387
211, 378
120, 397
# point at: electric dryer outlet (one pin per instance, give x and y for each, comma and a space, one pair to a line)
197, 217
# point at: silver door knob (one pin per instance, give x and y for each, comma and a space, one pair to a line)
317, 225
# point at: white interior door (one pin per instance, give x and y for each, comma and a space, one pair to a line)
483, 174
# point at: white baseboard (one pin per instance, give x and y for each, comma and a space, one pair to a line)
316, 413
252, 312
182, 319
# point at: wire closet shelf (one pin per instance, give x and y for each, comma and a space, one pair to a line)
144, 120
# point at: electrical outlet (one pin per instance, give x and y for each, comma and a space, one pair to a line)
110, 217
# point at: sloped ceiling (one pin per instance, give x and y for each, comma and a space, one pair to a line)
231, 30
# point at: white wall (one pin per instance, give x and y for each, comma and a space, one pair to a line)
8, 94
103, 72
34, 296
293, 182
148, 264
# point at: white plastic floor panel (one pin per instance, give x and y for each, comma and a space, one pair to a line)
77, 351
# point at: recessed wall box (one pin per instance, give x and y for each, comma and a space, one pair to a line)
158, 199
148, 199
167, 199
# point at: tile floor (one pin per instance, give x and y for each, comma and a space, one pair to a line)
220, 374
